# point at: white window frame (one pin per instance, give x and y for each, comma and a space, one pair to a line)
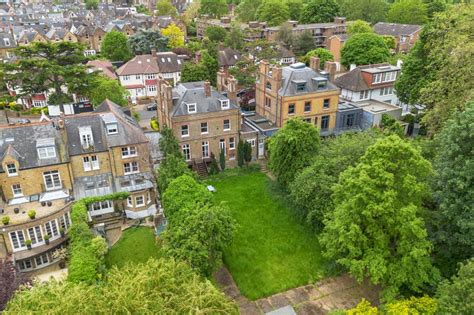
95, 162
207, 128
86, 163
35, 235
22, 265
231, 143
228, 125
252, 142
133, 167
192, 108
364, 95
225, 104
128, 152
377, 78
87, 140
186, 149
112, 129
137, 203
17, 191
129, 201
150, 76
43, 259
19, 240
52, 174
148, 197
12, 171
205, 149
53, 228
184, 131
151, 88
47, 153
222, 146
126, 77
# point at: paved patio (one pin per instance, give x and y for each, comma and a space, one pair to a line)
342, 292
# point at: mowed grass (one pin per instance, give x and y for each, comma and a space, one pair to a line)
272, 251
136, 245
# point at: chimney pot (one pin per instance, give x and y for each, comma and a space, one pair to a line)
207, 89
314, 63
153, 52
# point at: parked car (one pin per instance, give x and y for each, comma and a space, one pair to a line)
151, 107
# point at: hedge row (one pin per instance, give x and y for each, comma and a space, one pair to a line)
86, 258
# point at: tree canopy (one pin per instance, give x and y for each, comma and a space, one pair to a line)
408, 12
114, 47
91, 4
10, 281
247, 10
175, 36
453, 189
104, 88
364, 49
372, 11
376, 229
156, 287
165, 7
319, 11
323, 54
292, 148
214, 8
143, 41
215, 33
274, 12
359, 26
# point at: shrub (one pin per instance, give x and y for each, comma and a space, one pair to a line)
28, 242
6, 220
32, 214
154, 124
46, 237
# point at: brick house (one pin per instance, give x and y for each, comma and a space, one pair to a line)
405, 34
45, 165
203, 120
297, 91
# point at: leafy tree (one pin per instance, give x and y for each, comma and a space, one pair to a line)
143, 9
143, 41
438, 71
311, 190
114, 47
372, 11
295, 7
213, 168
104, 88
389, 41
192, 12
457, 296
359, 26
247, 10
214, 8
435, 6
247, 152
199, 236
215, 33
292, 148
165, 7
240, 153
212, 67
193, 72
304, 43
320, 11
145, 287
262, 49
454, 165
392, 126
91, 4
184, 192
245, 71
323, 54
376, 230
49, 66
274, 12
235, 38
10, 281
364, 49
222, 160
169, 145
408, 12
285, 35
172, 167
175, 36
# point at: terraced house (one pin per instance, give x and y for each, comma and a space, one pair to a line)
46, 166
203, 120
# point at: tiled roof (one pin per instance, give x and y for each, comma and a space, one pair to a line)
395, 29
141, 64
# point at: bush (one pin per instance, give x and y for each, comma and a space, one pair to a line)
154, 124
32, 214
214, 168
6, 220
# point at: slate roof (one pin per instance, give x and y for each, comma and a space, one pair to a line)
168, 62
228, 57
299, 73
353, 80
73, 123
21, 142
139, 65
193, 92
395, 29
9, 37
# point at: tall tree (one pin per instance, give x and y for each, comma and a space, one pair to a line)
175, 36
285, 35
193, 72
438, 71
240, 153
103, 88
311, 190
222, 159
114, 47
214, 8
210, 64
274, 12
319, 11
247, 152
169, 145
376, 229
364, 49
457, 296
292, 148
215, 33
295, 7
143, 41
165, 7
143, 288
235, 38
49, 66
192, 12
453, 189
247, 10
91, 4
408, 12
359, 26
323, 54
173, 166
304, 43
372, 11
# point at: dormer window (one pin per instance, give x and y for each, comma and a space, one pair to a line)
112, 129
47, 153
301, 87
225, 104
87, 140
377, 78
11, 169
191, 108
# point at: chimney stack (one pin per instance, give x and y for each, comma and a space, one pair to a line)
153, 52
331, 69
207, 89
232, 89
314, 63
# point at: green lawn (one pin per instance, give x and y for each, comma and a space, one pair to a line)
272, 251
136, 245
